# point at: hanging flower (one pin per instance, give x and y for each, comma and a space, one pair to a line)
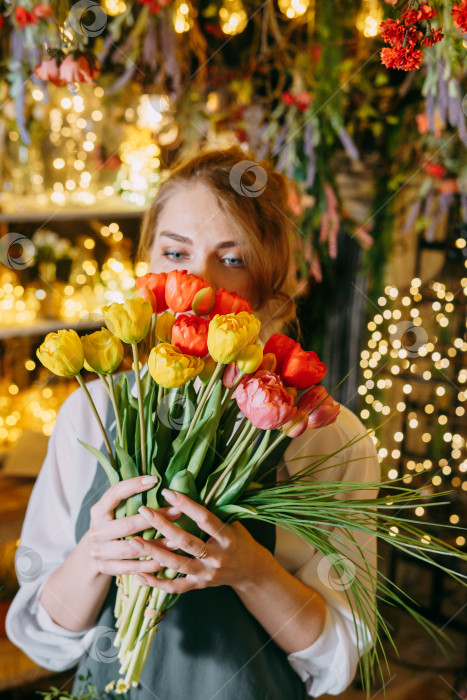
42, 11
23, 17
433, 37
402, 59
435, 170
264, 401
459, 16
190, 335
77, 70
49, 70
155, 282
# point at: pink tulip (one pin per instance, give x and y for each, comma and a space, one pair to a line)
264, 401
295, 427
322, 408
231, 373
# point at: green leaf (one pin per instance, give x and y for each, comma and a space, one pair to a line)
103, 461
128, 468
233, 509
181, 457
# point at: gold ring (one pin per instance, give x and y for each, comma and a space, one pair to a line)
203, 553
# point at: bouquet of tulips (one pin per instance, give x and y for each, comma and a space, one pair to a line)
211, 408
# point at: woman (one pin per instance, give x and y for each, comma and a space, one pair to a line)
261, 616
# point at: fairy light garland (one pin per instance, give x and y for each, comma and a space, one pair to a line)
397, 369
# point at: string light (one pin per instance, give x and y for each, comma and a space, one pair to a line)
233, 18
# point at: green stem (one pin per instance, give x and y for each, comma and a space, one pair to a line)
82, 384
226, 398
204, 396
140, 407
242, 446
109, 385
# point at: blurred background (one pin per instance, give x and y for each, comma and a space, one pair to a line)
96, 101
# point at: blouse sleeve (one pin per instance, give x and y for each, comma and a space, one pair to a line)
48, 536
330, 663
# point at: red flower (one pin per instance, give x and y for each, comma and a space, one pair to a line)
49, 70
79, 70
410, 17
156, 284
180, 289
302, 368
190, 335
2, 21
288, 98
321, 408
23, 17
303, 100
402, 59
459, 16
229, 303
392, 32
264, 401
280, 345
146, 293
42, 11
435, 170
433, 38
425, 12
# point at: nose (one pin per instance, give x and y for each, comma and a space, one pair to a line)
203, 268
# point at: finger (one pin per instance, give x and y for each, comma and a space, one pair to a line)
165, 557
207, 521
131, 525
129, 549
185, 540
105, 506
114, 567
177, 585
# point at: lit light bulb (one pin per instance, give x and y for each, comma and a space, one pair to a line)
233, 18
293, 8
369, 18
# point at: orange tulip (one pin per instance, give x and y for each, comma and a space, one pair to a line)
229, 303
190, 335
181, 289
155, 282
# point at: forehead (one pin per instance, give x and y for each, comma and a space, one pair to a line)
194, 209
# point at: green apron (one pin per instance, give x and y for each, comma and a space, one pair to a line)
208, 647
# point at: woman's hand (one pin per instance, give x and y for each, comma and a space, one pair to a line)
232, 555
111, 555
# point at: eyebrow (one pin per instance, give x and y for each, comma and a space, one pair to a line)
183, 239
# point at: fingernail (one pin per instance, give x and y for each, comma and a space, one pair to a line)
149, 480
168, 495
171, 545
136, 544
173, 511
146, 512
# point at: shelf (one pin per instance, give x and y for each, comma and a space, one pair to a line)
44, 326
114, 209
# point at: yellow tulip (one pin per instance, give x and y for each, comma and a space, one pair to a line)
250, 359
170, 368
103, 351
164, 325
62, 353
230, 334
130, 320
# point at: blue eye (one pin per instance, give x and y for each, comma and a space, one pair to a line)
233, 262
173, 254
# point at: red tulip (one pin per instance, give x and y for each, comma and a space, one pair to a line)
269, 362
297, 425
322, 408
302, 368
190, 335
264, 401
280, 345
229, 303
156, 284
42, 11
181, 289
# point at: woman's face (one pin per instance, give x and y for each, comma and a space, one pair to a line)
193, 233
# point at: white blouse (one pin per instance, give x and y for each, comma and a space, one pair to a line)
327, 666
